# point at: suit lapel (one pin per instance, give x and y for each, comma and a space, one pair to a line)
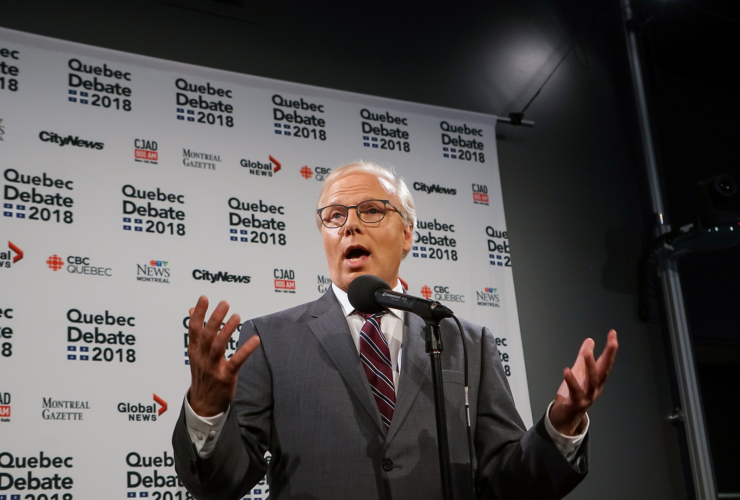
414, 368
331, 329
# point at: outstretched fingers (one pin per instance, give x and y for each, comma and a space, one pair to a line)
592, 376
241, 354
197, 316
606, 360
574, 387
220, 341
217, 318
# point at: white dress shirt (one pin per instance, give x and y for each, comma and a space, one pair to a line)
204, 431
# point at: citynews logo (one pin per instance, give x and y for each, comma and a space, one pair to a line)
259, 168
69, 140
139, 412
480, 194
284, 280
194, 159
145, 151
7, 258
203, 275
323, 283
4, 407
56, 409
434, 188
441, 294
319, 173
156, 271
488, 297
78, 265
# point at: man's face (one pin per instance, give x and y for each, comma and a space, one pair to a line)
359, 248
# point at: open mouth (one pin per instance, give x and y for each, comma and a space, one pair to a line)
356, 254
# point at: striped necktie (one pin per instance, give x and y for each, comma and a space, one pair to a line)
376, 359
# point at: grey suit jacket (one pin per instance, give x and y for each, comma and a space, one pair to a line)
303, 396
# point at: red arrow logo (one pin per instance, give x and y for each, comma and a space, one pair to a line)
162, 402
277, 164
16, 250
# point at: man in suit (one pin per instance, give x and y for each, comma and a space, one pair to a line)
344, 403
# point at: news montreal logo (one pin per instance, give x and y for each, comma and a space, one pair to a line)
140, 412
489, 296
155, 271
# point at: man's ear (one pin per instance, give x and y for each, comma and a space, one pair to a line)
408, 237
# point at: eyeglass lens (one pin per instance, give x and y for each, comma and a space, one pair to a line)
369, 211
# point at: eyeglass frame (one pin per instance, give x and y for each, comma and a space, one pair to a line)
357, 211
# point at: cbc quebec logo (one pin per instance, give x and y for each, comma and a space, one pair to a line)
144, 412
145, 151
318, 173
77, 265
284, 280
9, 257
441, 293
154, 271
265, 169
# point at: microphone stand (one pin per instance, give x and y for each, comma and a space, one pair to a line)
434, 349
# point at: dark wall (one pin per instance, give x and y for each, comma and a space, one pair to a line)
571, 184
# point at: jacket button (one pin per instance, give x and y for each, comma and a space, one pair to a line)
191, 466
387, 464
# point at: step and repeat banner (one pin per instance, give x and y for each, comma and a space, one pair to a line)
132, 185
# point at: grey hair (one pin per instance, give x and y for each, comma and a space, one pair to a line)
392, 182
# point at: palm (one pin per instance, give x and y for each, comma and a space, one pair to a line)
582, 384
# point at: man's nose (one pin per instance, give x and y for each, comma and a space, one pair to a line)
353, 224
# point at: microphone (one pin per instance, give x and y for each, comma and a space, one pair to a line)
370, 294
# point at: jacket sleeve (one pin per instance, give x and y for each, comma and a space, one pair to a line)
514, 463
238, 461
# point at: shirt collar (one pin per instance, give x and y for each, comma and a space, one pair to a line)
347, 307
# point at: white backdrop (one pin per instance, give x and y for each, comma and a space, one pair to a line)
132, 185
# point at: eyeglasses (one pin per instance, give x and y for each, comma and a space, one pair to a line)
369, 211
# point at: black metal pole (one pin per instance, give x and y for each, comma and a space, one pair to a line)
434, 349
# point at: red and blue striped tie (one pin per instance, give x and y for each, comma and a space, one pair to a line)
376, 359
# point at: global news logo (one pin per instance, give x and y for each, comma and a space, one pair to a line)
140, 412
8, 258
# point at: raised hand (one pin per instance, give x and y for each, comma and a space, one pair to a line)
581, 385
213, 383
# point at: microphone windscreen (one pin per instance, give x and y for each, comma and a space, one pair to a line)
361, 293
